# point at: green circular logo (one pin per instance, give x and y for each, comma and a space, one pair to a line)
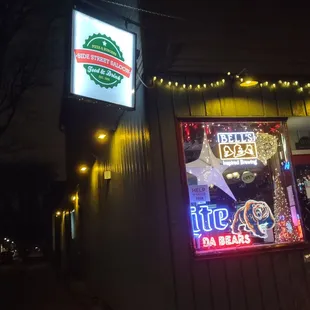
103, 61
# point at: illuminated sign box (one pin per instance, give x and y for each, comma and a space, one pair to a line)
237, 148
102, 61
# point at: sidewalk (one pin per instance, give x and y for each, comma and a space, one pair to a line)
35, 287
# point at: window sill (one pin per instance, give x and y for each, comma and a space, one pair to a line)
238, 252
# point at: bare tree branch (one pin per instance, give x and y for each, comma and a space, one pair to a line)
21, 76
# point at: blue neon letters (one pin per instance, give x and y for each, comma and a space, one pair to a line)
286, 165
206, 218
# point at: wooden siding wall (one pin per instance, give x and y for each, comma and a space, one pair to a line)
267, 281
126, 255
125, 248
233, 101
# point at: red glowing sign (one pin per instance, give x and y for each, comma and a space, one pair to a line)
224, 241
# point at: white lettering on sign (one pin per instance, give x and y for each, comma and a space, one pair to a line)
236, 137
199, 193
240, 162
237, 148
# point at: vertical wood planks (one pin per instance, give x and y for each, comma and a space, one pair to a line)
255, 102
177, 210
202, 285
219, 284
267, 282
283, 280
253, 291
298, 280
298, 104
180, 99
283, 97
269, 102
262, 282
232, 101
228, 104
212, 102
196, 99
236, 286
241, 100
307, 106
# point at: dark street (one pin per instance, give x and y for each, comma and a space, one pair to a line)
33, 287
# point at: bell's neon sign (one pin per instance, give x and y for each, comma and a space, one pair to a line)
237, 148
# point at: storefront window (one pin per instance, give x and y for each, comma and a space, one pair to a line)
240, 185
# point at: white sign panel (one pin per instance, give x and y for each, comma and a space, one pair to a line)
199, 193
102, 61
307, 185
290, 196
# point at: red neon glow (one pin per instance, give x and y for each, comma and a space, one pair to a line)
225, 241
299, 230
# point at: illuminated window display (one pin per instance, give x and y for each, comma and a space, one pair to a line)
240, 184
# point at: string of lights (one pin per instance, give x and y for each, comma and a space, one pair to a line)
242, 81
285, 231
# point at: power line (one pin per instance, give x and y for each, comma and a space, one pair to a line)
142, 10
100, 8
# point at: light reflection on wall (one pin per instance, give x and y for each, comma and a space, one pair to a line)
125, 156
94, 186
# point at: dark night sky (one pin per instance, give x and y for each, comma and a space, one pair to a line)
266, 37
32, 150
33, 135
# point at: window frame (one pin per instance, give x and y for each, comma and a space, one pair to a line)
304, 244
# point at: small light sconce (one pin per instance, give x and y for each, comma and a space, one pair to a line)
101, 136
245, 80
107, 175
83, 169
248, 83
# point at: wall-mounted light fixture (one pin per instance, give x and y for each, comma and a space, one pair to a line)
101, 136
83, 169
107, 175
245, 80
248, 82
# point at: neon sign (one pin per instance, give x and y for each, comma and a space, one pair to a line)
286, 165
254, 217
210, 226
208, 218
224, 241
237, 148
